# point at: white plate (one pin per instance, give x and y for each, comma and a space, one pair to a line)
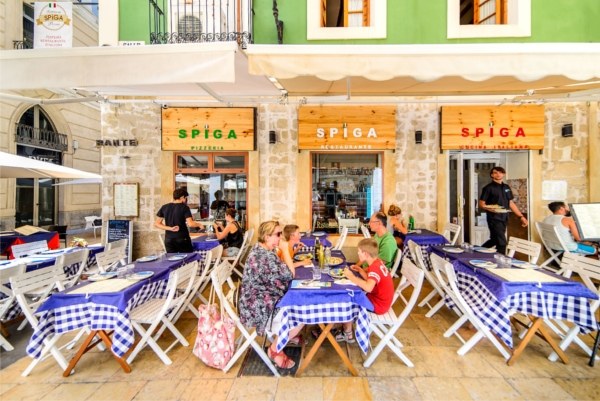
337, 273
52, 252
523, 264
484, 264
141, 275
303, 256
453, 250
176, 257
484, 250
102, 276
148, 258
318, 234
212, 239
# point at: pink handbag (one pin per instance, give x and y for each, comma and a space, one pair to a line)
215, 342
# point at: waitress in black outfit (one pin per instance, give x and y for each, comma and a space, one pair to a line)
493, 194
174, 218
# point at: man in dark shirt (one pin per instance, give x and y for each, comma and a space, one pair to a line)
174, 218
496, 199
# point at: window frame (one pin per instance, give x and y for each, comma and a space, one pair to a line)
376, 30
518, 10
211, 163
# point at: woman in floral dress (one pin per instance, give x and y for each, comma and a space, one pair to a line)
266, 279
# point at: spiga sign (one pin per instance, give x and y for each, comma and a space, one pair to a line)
208, 129
492, 127
347, 127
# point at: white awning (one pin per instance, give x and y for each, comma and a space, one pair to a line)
216, 70
429, 69
13, 166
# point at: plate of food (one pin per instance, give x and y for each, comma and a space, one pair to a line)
102, 276
148, 258
451, 249
497, 209
334, 261
176, 257
141, 275
523, 265
303, 256
336, 273
318, 234
483, 249
484, 264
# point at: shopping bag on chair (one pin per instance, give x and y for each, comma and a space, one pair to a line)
215, 342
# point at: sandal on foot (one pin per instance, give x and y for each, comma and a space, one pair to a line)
284, 361
296, 341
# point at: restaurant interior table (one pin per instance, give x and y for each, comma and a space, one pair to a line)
424, 238
324, 307
40, 261
494, 296
8, 239
104, 313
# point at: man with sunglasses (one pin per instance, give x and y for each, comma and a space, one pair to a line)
174, 218
385, 240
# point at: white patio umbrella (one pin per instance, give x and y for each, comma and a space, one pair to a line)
13, 166
80, 181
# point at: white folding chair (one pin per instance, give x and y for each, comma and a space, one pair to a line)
519, 245
161, 241
8, 297
48, 280
386, 325
365, 231
340, 242
417, 256
552, 242
235, 261
121, 243
75, 263
152, 313
451, 232
215, 260
90, 223
28, 248
220, 276
108, 260
396, 263
448, 282
588, 269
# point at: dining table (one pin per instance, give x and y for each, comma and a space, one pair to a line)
10, 238
425, 239
105, 311
203, 242
325, 304
309, 239
495, 294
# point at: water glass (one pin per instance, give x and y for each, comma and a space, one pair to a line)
506, 261
316, 272
129, 270
466, 246
122, 272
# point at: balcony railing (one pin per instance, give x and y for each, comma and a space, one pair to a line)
196, 21
27, 134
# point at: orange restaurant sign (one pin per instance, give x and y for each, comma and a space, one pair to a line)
365, 127
492, 127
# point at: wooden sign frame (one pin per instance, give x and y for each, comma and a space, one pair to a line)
126, 199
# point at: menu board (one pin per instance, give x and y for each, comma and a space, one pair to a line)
120, 229
587, 218
126, 199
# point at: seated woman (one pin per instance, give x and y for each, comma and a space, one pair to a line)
396, 224
288, 247
232, 234
266, 279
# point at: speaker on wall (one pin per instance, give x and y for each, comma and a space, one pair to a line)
567, 130
272, 137
418, 137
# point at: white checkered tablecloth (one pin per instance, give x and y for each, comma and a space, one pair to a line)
96, 317
496, 314
338, 312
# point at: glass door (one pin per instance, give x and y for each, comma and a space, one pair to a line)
35, 202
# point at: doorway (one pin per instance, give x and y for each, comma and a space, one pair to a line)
469, 173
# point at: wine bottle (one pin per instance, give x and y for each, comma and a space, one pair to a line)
411, 222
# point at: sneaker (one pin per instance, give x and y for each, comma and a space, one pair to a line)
343, 336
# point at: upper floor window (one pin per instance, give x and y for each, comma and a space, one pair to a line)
489, 18
346, 19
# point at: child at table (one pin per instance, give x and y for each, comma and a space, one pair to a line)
376, 281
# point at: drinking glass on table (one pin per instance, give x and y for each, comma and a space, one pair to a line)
316, 272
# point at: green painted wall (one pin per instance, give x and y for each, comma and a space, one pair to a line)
424, 22
134, 19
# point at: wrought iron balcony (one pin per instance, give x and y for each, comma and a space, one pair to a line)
27, 134
197, 21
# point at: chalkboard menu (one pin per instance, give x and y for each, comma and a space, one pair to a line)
121, 229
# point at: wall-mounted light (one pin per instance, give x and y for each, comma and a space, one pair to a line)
272, 137
418, 137
567, 130
75, 145
344, 125
205, 126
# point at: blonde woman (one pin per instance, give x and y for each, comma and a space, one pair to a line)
396, 224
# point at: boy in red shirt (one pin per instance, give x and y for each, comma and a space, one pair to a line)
376, 281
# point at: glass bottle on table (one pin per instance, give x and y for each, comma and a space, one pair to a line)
327, 260
317, 246
411, 222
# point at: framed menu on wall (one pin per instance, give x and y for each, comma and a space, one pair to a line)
126, 199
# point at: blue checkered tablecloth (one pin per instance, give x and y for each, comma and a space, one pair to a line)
102, 311
338, 312
496, 314
425, 239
